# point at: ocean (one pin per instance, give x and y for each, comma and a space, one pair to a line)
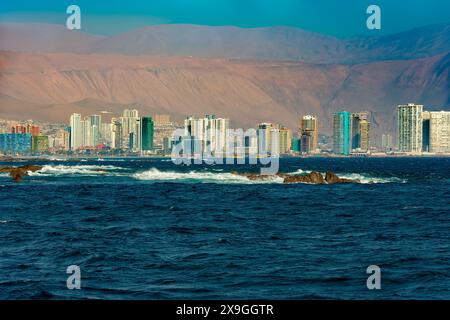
145, 228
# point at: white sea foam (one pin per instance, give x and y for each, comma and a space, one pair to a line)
195, 176
365, 179
91, 170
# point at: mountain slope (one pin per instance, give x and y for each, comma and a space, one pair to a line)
272, 43
247, 91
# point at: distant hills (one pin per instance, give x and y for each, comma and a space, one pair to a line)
248, 75
273, 43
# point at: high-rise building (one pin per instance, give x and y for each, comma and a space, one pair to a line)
210, 132
386, 142
309, 127
364, 128
116, 134
95, 134
285, 140
360, 131
439, 131
147, 133
76, 136
86, 132
39, 143
265, 137
342, 132
426, 131
410, 127
15, 142
130, 123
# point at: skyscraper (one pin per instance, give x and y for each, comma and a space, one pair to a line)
360, 131
439, 132
309, 127
285, 140
130, 123
342, 132
208, 133
86, 132
410, 127
386, 142
75, 131
116, 134
95, 129
147, 133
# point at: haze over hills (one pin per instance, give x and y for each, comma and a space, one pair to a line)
271, 43
249, 75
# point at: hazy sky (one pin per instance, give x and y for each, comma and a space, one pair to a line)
334, 17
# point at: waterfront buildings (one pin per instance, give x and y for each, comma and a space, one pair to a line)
208, 133
122, 133
130, 123
274, 139
360, 131
76, 141
308, 134
15, 143
410, 128
342, 132
147, 133
351, 132
436, 131
386, 142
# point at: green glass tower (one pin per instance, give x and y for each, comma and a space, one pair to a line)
147, 133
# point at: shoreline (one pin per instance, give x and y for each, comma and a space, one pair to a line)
100, 158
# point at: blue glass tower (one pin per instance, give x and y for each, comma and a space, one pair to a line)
342, 132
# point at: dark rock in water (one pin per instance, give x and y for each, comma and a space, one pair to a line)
313, 177
331, 178
17, 173
255, 176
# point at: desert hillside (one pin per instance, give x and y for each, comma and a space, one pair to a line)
50, 86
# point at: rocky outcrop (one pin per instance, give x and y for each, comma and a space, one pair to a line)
17, 173
331, 178
312, 178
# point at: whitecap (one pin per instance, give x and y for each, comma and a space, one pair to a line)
195, 176
49, 170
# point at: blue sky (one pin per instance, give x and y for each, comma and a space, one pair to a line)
339, 18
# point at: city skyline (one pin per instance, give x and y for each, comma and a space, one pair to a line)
418, 132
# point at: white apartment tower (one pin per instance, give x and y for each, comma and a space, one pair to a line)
439, 132
75, 131
410, 118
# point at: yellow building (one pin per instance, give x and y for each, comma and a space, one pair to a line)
309, 126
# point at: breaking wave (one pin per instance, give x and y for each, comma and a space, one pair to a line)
91, 170
195, 176
369, 179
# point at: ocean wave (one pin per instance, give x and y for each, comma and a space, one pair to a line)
369, 179
92, 170
195, 176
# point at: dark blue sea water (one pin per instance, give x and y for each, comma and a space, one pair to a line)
147, 229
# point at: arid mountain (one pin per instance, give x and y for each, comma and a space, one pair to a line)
39, 37
51, 86
272, 43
